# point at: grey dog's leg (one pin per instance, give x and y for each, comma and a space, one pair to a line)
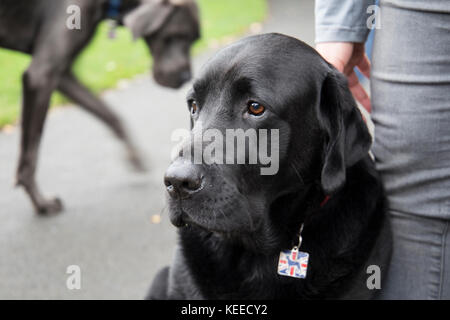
38, 83
74, 90
54, 48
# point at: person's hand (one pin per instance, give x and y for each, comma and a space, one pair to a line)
345, 56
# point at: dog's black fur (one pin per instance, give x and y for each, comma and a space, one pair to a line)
233, 222
39, 28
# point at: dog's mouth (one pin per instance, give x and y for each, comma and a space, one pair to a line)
178, 218
181, 219
172, 80
225, 225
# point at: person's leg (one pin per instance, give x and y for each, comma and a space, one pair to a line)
418, 267
445, 280
410, 87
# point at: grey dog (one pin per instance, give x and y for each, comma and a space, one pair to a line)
39, 28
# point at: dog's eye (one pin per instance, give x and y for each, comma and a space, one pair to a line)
255, 108
193, 107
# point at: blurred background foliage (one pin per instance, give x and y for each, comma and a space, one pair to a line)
104, 62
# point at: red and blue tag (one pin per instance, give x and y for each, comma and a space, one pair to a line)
293, 263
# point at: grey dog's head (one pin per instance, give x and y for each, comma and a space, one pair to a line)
169, 27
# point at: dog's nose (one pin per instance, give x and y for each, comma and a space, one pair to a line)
182, 180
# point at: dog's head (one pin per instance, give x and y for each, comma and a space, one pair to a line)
169, 27
294, 109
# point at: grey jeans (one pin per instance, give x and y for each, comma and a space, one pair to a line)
420, 261
410, 86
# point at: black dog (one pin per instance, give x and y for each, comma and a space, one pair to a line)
233, 222
39, 28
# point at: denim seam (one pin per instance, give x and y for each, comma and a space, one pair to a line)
442, 273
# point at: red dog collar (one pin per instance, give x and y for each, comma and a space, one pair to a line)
324, 201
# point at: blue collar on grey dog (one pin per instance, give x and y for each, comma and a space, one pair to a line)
113, 9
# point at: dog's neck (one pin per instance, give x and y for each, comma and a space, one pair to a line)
298, 207
117, 9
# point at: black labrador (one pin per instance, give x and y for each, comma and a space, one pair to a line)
40, 28
239, 229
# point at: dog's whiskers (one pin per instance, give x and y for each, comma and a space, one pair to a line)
297, 173
164, 210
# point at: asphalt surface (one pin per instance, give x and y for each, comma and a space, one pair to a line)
108, 227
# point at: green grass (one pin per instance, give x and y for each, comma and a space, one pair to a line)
106, 61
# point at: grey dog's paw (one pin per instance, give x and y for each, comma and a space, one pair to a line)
50, 206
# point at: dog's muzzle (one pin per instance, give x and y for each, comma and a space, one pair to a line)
182, 179
172, 79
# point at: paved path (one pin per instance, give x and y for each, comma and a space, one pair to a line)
106, 228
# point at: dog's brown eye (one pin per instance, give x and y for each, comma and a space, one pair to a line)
255, 108
193, 106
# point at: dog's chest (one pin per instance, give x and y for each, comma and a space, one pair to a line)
238, 275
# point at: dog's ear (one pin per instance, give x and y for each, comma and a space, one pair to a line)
347, 139
147, 18
191, 5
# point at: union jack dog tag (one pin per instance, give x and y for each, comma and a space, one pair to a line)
293, 263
